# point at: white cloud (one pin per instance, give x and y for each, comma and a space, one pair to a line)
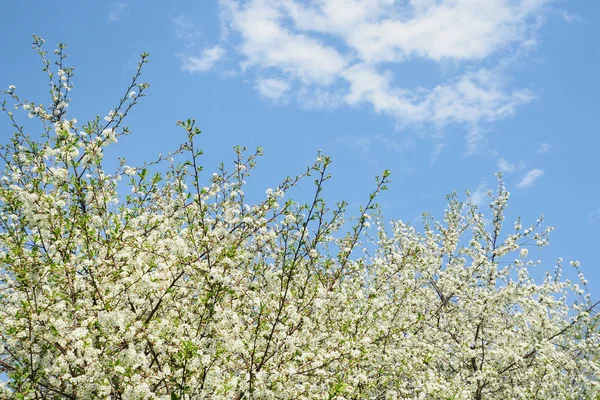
344, 52
385, 30
116, 12
543, 148
272, 89
474, 97
529, 178
203, 62
267, 43
506, 166
471, 98
480, 196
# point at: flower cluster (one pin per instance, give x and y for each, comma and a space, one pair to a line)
181, 289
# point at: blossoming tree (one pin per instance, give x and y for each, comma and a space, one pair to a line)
183, 290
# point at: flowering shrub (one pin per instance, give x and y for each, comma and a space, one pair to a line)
184, 290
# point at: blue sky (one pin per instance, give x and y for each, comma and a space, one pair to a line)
444, 93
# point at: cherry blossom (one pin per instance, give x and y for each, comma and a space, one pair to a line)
178, 288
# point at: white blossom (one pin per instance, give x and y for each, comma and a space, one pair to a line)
183, 291
127, 170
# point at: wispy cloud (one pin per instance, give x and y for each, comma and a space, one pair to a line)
315, 98
437, 151
506, 166
117, 11
530, 178
202, 62
272, 88
480, 196
346, 50
543, 148
185, 30
197, 58
571, 18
